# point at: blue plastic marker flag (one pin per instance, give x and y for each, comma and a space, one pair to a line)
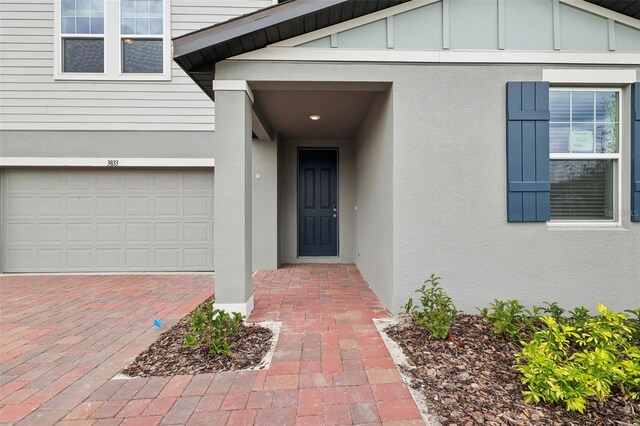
157, 322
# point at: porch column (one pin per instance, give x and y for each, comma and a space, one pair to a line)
232, 239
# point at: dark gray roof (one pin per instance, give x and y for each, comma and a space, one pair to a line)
626, 7
198, 52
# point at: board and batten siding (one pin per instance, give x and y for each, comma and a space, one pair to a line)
31, 99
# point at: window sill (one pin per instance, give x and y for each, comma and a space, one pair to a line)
585, 226
105, 77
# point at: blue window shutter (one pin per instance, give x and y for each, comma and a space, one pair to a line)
528, 191
635, 152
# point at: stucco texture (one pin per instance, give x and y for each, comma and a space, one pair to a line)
448, 192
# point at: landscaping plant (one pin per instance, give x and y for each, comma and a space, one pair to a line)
569, 362
436, 311
213, 328
511, 318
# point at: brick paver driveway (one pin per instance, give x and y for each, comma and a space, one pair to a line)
64, 338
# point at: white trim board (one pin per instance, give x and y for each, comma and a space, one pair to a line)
589, 76
104, 162
604, 12
305, 54
232, 86
243, 308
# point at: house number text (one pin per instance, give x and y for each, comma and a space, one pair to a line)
112, 163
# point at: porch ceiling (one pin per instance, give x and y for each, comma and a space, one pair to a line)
287, 112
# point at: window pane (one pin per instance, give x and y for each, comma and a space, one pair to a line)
83, 55
97, 26
128, 26
582, 189
581, 139
155, 8
559, 106
607, 106
559, 137
607, 137
128, 8
582, 106
82, 17
142, 56
142, 26
142, 17
142, 8
155, 26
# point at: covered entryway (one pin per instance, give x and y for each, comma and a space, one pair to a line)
88, 220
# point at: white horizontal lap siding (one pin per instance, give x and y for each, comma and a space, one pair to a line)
31, 99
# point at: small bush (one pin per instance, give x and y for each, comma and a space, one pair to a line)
511, 318
213, 328
436, 312
573, 361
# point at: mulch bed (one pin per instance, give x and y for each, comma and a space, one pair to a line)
477, 384
167, 356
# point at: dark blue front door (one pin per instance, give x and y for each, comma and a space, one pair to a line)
318, 202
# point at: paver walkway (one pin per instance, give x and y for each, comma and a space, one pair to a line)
63, 338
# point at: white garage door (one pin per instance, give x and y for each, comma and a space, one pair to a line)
62, 220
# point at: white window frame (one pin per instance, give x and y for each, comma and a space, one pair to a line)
617, 164
113, 47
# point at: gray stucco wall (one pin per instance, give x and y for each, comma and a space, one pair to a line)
449, 193
118, 144
265, 204
374, 198
287, 180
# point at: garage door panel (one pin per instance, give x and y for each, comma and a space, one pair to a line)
54, 207
138, 258
197, 258
82, 180
19, 233
137, 206
80, 259
167, 206
109, 206
19, 180
167, 258
109, 232
50, 258
138, 180
20, 207
51, 233
80, 232
137, 233
50, 182
57, 220
196, 206
108, 259
167, 181
79, 206
109, 182
20, 259
196, 231
167, 232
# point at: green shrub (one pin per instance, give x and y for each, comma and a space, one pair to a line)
213, 328
573, 361
436, 312
511, 318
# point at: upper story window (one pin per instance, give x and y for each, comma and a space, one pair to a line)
82, 32
113, 40
141, 29
584, 135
